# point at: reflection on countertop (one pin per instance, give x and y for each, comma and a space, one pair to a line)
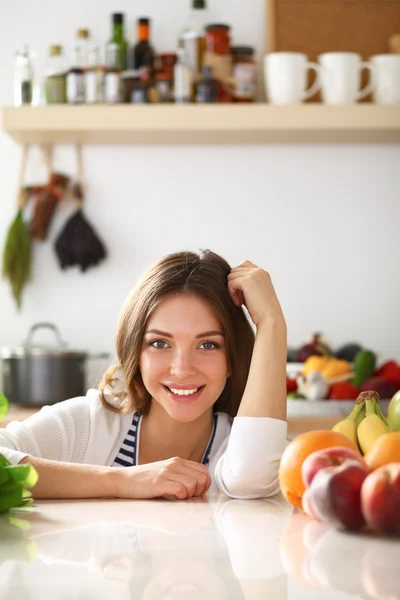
206, 548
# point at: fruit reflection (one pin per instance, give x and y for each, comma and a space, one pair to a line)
319, 556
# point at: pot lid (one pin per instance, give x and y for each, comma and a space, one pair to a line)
29, 348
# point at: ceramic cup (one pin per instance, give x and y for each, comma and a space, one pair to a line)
286, 77
387, 89
341, 77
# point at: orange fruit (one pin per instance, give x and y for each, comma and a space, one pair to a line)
296, 452
385, 450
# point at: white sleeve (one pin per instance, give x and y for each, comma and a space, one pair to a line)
250, 465
58, 432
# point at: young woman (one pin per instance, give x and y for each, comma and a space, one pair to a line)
196, 399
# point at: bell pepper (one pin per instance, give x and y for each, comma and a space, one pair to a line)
335, 367
291, 385
343, 390
314, 363
390, 371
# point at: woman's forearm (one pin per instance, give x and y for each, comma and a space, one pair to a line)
70, 480
265, 392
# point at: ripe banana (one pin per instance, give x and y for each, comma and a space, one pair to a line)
372, 426
348, 426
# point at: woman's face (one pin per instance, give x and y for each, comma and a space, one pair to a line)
183, 360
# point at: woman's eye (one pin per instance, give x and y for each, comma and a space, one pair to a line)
210, 345
158, 344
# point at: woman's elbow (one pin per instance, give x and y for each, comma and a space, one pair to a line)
250, 487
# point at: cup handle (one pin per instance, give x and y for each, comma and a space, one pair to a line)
371, 83
313, 89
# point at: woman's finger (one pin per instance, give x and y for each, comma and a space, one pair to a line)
202, 478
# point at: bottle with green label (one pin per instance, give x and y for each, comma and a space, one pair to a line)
117, 37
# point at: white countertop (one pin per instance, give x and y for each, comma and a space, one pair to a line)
208, 548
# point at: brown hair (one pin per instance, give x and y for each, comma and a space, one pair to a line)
204, 274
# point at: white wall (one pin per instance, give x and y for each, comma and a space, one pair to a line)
322, 219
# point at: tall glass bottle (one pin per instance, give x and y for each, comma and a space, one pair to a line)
94, 77
193, 36
83, 41
75, 78
112, 78
117, 37
182, 78
143, 52
55, 79
23, 77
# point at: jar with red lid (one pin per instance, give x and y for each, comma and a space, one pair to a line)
218, 40
168, 61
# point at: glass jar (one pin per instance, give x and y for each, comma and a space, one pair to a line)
134, 91
218, 39
164, 86
56, 76
23, 77
168, 61
244, 73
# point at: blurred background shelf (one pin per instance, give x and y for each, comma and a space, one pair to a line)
206, 124
302, 415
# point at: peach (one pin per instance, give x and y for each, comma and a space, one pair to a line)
380, 499
327, 457
335, 494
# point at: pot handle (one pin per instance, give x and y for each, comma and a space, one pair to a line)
51, 326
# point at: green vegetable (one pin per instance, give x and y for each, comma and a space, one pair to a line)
364, 366
14, 479
296, 396
17, 257
4, 406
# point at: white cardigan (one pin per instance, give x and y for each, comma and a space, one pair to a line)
244, 458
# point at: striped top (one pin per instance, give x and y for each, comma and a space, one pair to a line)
128, 453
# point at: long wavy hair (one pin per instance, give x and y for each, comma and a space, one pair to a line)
204, 274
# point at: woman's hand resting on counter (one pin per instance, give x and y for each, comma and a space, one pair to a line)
173, 477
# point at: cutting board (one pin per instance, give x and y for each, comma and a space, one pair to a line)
317, 26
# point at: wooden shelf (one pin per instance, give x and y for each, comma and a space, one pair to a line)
203, 124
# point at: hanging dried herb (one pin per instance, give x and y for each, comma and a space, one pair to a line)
17, 257
46, 203
17, 248
78, 242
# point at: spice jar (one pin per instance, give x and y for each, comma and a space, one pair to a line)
133, 89
168, 61
244, 73
164, 86
217, 38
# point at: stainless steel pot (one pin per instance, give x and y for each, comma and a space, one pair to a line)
38, 375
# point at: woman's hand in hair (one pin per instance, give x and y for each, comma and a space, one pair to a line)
172, 477
250, 285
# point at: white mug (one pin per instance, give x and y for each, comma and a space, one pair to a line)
286, 77
341, 77
387, 89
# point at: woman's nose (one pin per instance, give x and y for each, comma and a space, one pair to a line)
182, 365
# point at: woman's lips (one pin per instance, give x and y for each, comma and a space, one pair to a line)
187, 398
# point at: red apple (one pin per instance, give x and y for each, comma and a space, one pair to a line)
327, 457
335, 494
380, 499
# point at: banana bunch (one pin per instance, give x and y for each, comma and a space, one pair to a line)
365, 423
